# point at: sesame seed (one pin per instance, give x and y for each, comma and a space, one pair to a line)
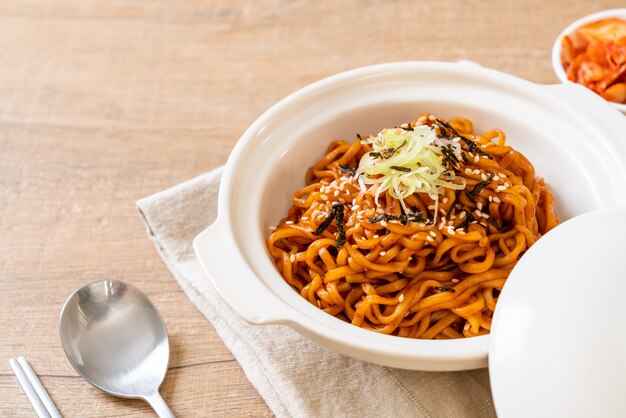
483, 176
490, 198
272, 228
476, 171
355, 207
450, 223
462, 215
451, 231
496, 199
324, 197
479, 205
382, 253
319, 305
429, 238
445, 200
383, 224
484, 215
456, 140
467, 326
336, 193
375, 236
432, 118
380, 210
496, 178
477, 158
342, 201
401, 298
292, 258
347, 192
455, 280
432, 234
500, 188
468, 171
502, 175
289, 223
442, 211
431, 207
354, 202
477, 212
460, 231
305, 218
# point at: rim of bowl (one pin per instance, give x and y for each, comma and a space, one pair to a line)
556, 47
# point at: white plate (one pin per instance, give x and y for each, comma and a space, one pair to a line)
558, 341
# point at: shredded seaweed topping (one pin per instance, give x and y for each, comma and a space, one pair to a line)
396, 167
469, 218
341, 239
480, 187
450, 158
452, 207
386, 153
336, 213
322, 227
347, 170
440, 289
404, 219
493, 223
448, 132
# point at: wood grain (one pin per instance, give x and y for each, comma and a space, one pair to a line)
103, 102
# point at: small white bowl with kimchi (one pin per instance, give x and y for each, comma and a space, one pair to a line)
355, 288
592, 52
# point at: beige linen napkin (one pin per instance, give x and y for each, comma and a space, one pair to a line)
295, 376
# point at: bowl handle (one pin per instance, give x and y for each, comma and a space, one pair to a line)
233, 279
584, 99
596, 111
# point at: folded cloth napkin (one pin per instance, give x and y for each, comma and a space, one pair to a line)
295, 376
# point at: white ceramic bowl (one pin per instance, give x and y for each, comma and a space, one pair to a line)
556, 48
572, 136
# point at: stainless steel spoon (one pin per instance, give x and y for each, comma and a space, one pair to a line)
116, 340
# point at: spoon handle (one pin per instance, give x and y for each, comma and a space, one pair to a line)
158, 404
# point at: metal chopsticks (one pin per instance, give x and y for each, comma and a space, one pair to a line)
36, 393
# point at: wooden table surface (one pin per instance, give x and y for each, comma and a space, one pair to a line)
103, 102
